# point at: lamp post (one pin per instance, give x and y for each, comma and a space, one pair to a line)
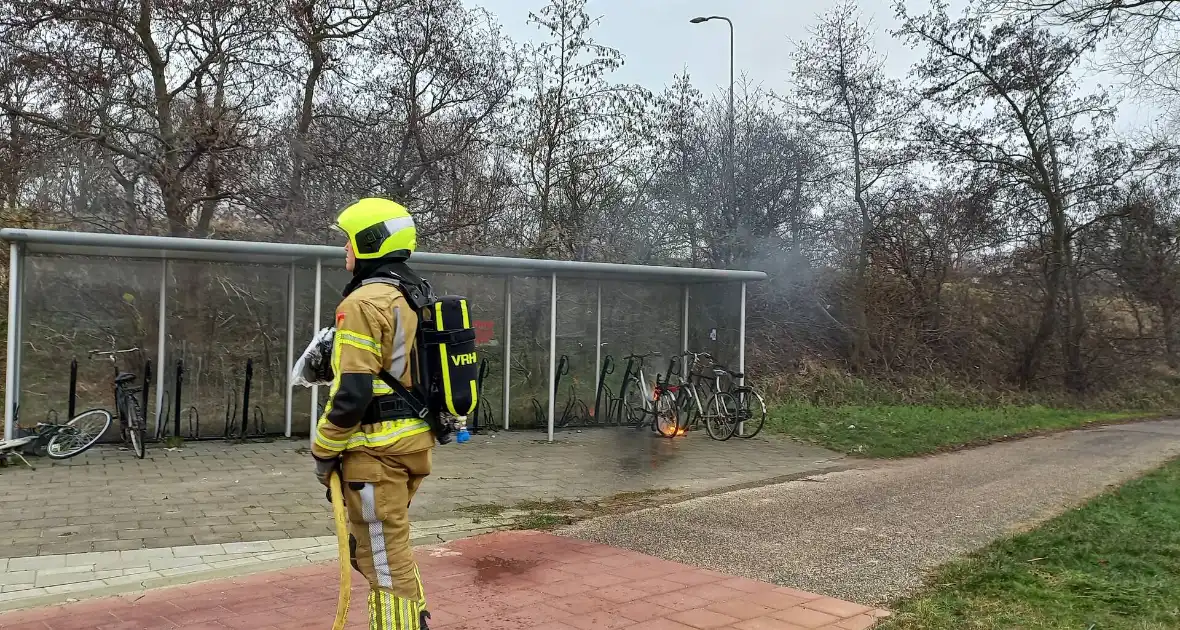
732, 134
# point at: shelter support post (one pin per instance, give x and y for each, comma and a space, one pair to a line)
290, 394
315, 327
507, 347
742, 348
684, 324
742, 336
598, 341
12, 364
552, 349
161, 343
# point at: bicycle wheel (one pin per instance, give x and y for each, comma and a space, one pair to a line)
636, 407
79, 434
135, 427
667, 418
686, 399
752, 412
721, 410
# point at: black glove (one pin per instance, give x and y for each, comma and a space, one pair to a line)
324, 468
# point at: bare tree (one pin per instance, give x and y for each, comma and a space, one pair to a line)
325, 30
1142, 37
574, 123
1002, 97
1142, 249
122, 78
842, 91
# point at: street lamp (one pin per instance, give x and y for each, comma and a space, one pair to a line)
732, 134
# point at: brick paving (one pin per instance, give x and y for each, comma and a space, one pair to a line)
502, 581
220, 492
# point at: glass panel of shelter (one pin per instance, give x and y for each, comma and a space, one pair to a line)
72, 305
227, 323
219, 315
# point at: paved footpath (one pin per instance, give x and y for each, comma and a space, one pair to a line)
217, 492
872, 534
503, 581
45, 580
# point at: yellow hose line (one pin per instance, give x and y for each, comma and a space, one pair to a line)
342, 548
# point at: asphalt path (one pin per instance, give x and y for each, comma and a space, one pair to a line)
872, 533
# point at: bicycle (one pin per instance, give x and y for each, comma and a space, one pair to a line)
606, 406
751, 407
59, 441
721, 404
132, 419
639, 402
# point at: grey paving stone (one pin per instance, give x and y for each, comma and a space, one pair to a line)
10, 578
198, 550
217, 492
36, 563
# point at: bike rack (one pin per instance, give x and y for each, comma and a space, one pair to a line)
570, 415
194, 423
576, 413
246, 398
231, 411
483, 413
162, 427
540, 414
178, 390
147, 385
617, 405
73, 400
673, 370
259, 422
608, 368
174, 403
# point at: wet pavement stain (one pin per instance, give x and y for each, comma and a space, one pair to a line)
647, 453
493, 568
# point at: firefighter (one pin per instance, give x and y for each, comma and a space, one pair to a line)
381, 447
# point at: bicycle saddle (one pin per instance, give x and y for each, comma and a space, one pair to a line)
124, 377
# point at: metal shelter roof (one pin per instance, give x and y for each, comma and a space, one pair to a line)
52, 242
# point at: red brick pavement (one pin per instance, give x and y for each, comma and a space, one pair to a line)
502, 581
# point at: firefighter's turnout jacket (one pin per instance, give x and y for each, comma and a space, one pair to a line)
375, 328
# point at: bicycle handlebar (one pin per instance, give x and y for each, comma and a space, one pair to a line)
642, 356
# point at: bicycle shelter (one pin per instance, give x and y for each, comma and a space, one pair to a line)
669, 307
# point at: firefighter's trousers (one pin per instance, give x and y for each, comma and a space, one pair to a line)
377, 493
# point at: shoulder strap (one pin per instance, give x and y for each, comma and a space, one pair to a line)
419, 407
414, 287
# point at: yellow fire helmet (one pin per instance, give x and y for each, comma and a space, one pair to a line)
378, 227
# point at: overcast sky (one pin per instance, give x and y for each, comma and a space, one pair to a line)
658, 41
